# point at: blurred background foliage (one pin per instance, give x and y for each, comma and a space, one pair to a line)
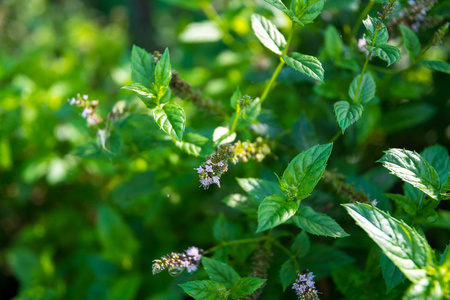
78, 222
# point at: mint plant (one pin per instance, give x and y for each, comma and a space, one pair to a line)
274, 149
269, 204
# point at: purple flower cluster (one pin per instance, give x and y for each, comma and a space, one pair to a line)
305, 288
414, 15
175, 263
89, 109
216, 164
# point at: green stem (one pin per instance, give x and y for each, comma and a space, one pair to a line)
336, 136
212, 15
360, 18
236, 118
279, 67
236, 242
285, 250
355, 100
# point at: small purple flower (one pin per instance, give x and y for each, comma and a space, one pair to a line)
199, 169
216, 180
85, 97
194, 253
208, 162
72, 101
87, 111
208, 168
205, 182
304, 287
220, 164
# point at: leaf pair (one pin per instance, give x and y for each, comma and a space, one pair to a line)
377, 39
298, 181
225, 282
414, 169
300, 11
272, 39
407, 249
151, 84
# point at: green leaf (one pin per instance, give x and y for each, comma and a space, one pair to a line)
275, 210
411, 41
171, 119
268, 34
305, 11
301, 244
163, 75
347, 114
288, 274
414, 169
222, 135
305, 64
144, 93
139, 89
259, 189
391, 274
244, 204
278, 4
223, 230
437, 65
406, 248
425, 289
382, 34
142, 66
192, 143
237, 95
305, 170
367, 89
333, 42
317, 223
245, 286
409, 205
205, 290
437, 156
388, 53
220, 272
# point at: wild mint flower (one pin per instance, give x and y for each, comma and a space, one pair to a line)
86, 112
175, 263
414, 15
89, 107
361, 43
217, 163
305, 288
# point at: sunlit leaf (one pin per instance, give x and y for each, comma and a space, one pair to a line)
317, 223
275, 210
268, 34
403, 245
